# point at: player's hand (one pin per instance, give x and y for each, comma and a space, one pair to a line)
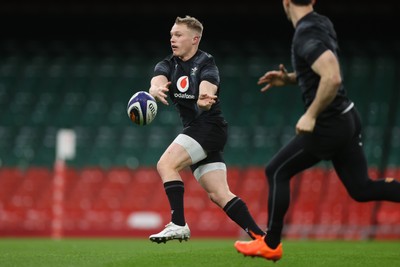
160, 93
305, 124
205, 101
274, 78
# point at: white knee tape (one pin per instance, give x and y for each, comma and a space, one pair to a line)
203, 169
194, 149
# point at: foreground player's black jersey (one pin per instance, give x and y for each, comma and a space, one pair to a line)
314, 35
185, 77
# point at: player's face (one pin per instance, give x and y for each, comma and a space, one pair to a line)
182, 41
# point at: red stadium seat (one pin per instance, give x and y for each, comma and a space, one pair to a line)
10, 179
388, 221
86, 188
145, 192
388, 214
304, 208
113, 189
253, 189
332, 210
36, 180
359, 221
234, 176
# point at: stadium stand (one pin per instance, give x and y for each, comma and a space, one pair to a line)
84, 85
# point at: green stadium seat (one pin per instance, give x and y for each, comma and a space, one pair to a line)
394, 155
85, 85
238, 148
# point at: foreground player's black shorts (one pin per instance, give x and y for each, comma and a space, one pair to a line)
212, 136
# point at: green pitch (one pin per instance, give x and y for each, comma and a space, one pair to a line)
194, 253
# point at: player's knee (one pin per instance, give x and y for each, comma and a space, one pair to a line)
359, 196
214, 198
219, 199
361, 193
163, 166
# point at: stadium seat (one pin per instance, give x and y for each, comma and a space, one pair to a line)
104, 147
387, 215
145, 192
35, 182
253, 188
196, 198
72, 177
234, 177
359, 221
84, 85
113, 190
86, 189
388, 221
237, 152
265, 142
305, 204
10, 179
332, 211
394, 157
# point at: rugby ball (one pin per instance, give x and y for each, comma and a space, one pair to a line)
142, 108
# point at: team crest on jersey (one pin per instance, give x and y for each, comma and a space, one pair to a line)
193, 71
183, 84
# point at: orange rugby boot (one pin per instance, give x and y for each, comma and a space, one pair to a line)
258, 248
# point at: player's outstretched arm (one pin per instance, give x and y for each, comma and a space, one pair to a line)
279, 77
159, 88
207, 95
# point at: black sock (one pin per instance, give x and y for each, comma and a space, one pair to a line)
237, 210
273, 238
175, 190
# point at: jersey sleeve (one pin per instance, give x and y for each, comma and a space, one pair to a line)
162, 68
210, 72
310, 46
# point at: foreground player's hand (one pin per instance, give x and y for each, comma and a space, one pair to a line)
160, 93
205, 101
274, 78
305, 124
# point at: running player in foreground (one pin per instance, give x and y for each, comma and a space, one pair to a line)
330, 128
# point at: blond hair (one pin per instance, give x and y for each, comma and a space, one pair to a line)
192, 23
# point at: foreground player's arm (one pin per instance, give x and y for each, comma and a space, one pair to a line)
279, 77
327, 67
207, 95
159, 88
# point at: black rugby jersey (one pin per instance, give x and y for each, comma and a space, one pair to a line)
185, 77
314, 34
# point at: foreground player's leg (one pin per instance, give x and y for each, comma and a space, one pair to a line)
212, 178
174, 159
171, 232
259, 248
177, 228
352, 169
237, 210
289, 161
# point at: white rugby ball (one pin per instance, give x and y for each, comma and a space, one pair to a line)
142, 108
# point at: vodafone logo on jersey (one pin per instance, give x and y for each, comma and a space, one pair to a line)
183, 85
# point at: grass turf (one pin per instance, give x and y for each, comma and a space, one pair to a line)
34, 252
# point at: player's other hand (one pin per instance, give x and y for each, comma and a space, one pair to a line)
205, 101
274, 78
